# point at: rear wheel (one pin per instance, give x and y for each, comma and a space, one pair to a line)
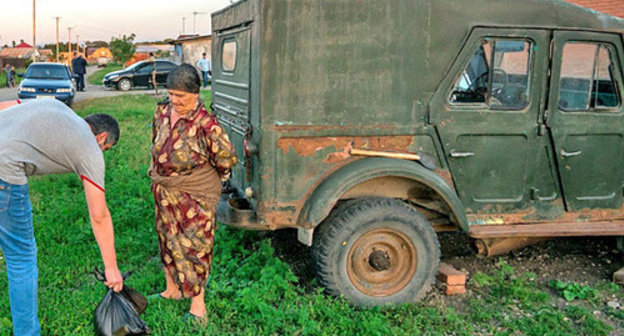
124, 84
376, 251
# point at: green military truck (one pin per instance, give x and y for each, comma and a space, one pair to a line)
369, 126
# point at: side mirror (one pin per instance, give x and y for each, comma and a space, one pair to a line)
21, 74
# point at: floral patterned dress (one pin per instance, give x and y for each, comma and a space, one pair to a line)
186, 222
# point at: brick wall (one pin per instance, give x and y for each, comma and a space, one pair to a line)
611, 7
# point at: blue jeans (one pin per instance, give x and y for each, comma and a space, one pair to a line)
17, 241
205, 77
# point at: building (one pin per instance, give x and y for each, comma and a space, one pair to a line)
611, 7
19, 55
94, 53
189, 49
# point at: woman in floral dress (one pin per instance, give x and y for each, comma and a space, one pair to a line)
191, 155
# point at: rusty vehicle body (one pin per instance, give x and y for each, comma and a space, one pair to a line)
518, 103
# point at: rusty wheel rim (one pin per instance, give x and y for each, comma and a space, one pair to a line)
382, 262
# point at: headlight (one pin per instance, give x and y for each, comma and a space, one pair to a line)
113, 77
64, 90
27, 89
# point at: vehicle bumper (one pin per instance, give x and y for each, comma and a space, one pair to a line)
67, 98
109, 83
238, 212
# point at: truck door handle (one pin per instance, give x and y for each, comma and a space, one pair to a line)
568, 154
461, 154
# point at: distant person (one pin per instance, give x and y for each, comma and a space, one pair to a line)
206, 69
44, 137
12, 75
79, 67
7, 73
152, 59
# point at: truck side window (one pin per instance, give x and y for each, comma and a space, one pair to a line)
228, 55
504, 63
586, 82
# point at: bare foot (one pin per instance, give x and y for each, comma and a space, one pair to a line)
172, 295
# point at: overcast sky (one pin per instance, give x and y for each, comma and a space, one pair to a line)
101, 19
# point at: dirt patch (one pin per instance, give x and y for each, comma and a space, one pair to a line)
587, 260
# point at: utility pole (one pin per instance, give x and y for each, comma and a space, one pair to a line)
69, 29
34, 31
183, 29
194, 16
57, 37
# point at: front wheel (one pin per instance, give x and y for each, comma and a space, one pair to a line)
376, 251
124, 84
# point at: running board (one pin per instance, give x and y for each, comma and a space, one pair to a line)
567, 229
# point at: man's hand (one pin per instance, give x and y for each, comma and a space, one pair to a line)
114, 280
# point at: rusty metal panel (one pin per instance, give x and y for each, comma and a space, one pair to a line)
606, 228
300, 161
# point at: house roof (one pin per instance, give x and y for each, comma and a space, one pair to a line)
611, 7
23, 45
16, 52
186, 38
147, 48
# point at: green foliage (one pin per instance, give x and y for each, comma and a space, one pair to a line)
571, 291
251, 291
508, 302
122, 48
96, 77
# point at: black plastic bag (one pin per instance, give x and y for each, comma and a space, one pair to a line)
116, 315
137, 299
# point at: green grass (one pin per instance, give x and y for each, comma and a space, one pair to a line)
96, 77
18, 79
251, 291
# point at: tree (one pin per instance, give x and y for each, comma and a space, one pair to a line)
123, 48
96, 44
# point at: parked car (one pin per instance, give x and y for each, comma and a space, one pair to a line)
139, 74
47, 80
103, 61
385, 122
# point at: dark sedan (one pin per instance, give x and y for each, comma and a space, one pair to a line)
47, 80
139, 74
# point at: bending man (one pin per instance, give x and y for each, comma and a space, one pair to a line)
46, 137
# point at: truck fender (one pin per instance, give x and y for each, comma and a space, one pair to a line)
326, 195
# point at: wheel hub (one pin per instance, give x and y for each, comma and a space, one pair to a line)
379, 260
382, 262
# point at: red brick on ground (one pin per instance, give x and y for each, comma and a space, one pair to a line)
455, 290
451, 276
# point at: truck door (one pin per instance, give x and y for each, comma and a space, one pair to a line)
586, 119
231, 55
487, 113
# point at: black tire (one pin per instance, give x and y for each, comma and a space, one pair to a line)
124, 84
401, 243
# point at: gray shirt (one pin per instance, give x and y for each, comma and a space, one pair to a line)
43, 137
